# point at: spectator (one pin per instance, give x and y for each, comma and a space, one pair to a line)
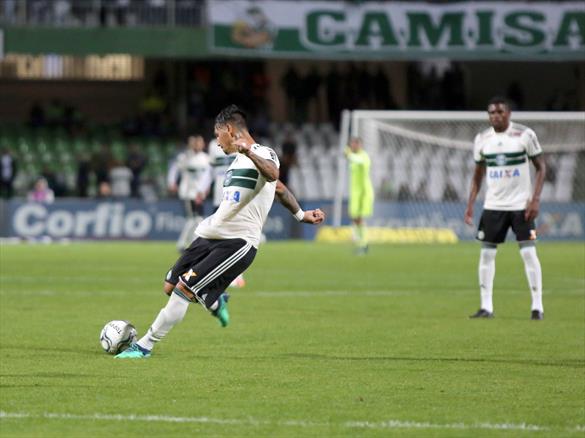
289, 157
41, 192
136, 162
8, 169
83, 173
56, 181
120, 177
102, 163
104, 190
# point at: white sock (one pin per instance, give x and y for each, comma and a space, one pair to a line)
534, 275
487, 272
167, 318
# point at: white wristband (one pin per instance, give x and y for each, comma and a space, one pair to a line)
299, 215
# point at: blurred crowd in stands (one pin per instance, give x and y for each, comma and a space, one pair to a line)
313, 96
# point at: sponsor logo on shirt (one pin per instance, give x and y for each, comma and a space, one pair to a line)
504, 173
187, 275
500, 160
228, 178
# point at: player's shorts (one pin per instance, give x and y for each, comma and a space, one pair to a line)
494, 226
361, 206
208, 266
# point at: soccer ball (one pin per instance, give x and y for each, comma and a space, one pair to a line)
116, 336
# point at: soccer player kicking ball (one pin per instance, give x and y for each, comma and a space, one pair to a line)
226, 241
501, 154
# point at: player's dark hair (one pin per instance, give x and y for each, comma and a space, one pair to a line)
232, 114
500, 100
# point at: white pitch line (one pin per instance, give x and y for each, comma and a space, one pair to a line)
382, 425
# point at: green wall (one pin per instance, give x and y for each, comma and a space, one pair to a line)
151, 42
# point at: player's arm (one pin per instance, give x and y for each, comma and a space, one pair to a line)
476, 181
266, 167
287, 199
173, 176
534, 204
204, 185
534, 151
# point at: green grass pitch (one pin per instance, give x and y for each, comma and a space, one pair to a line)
321, 343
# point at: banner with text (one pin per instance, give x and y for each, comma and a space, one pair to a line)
556, 220
398, 30
127, 220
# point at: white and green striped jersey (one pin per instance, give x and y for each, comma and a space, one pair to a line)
194, 170
506, 155
247, 199
220, 163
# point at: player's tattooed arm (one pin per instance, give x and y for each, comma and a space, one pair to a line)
266, 167
287, 199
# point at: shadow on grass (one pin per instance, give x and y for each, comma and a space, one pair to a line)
570, 363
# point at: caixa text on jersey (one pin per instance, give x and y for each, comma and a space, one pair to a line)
503, 173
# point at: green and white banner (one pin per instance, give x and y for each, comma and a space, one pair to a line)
506, 30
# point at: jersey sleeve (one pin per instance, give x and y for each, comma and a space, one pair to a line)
531, 143
477, 152
267, 154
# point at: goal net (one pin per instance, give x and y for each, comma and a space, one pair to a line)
422, 164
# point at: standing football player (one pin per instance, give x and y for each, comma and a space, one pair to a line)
193, 171
227, 241
502, 153
361, 196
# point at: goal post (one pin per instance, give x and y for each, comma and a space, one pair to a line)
422, 164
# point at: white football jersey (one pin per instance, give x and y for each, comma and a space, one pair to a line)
195, 171
220, 163
247, 199
506, 156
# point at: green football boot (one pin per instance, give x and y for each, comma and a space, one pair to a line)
134, 351
221, 313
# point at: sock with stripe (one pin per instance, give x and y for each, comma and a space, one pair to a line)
487, 272
534, 275
167, 318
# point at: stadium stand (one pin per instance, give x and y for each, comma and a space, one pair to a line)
398, 172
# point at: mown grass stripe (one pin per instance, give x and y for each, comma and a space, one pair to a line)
379, 425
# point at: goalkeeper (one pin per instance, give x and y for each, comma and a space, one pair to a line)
361, 192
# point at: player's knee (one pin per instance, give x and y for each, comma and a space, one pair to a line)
168, 288
487, 255
528, 253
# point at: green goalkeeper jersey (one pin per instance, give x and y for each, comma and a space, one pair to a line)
361, 192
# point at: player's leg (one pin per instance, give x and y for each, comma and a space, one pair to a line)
526, 237
176, 307
486, 275
359, 234
238, 282
186, 235
354, 216
366, 208
492, 230
226, 260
